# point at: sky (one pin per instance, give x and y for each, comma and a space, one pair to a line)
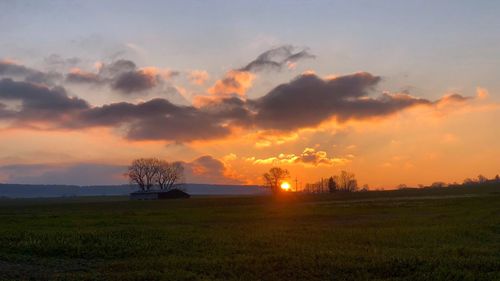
397, 92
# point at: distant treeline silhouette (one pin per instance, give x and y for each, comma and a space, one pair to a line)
343, 182
480, 180
346, 182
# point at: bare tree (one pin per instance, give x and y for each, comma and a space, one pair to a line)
438, 184
143, 172
347, 181
332, 185
402, 186
468, 181
274, 177
169, 174
482, 179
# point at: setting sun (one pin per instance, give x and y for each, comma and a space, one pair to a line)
285, 185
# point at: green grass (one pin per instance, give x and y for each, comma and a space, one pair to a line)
400, 235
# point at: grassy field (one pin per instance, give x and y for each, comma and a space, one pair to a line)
399, 235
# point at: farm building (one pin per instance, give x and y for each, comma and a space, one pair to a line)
158, 194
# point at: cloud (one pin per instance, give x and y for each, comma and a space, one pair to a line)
13, 70
207, 169
164, 73
55, 61
38, 102
116, 68
482, 93
135, 81
276, 58
305, 102
313, 157
123, 76
5, 112
448, 103
198, 77
308, 157
157, 119
235, 82
77, 76
79, 174
309, 100
238, 81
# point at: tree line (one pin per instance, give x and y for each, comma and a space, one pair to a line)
344, 182
480, 180
149, 173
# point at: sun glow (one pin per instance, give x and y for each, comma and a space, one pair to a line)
285, 185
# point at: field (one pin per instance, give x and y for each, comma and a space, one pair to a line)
397, 235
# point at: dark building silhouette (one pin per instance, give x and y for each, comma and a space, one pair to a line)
159, 194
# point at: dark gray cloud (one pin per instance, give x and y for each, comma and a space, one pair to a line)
276, 58
38, 102
232, 108
207, 169
304, 102
5, 112
309, 100
117, 68
156, 119
122, 76
83, 77
14, 70
55, 61
135, 81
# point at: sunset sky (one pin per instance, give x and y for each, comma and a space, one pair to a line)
394, 91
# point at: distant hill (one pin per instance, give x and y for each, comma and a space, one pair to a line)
47, 191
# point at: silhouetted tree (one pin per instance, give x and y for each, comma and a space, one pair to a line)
274, 178
143, 172
332, 185
438, 184
169, 174
482, 179
402, 186
347, 181
468, 181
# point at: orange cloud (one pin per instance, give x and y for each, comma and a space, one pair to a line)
78, 75
291, 65
152, 71
308, 157
269, 138
234, 82
9, 61
309, 72
481, 93
98, 65
198, 77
